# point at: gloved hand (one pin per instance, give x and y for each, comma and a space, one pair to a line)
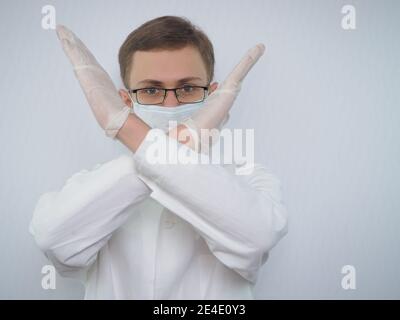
216, 106
101, 93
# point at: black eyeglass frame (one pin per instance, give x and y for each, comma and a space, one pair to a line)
206, 89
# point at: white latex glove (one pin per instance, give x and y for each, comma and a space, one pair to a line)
101, 93
215, 110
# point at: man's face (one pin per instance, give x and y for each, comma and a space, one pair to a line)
167, 69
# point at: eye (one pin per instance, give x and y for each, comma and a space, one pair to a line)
187, 89
151, 91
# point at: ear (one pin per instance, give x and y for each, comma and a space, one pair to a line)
213, 87
125, 97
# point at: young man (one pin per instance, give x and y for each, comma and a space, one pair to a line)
130, 229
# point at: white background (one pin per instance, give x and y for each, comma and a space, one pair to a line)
324, 103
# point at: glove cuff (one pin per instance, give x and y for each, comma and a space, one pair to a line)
116, 123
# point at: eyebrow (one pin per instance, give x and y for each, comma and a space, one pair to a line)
160, 83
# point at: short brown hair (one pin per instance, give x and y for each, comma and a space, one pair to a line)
167, 32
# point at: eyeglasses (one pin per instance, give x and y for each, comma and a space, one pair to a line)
186, 94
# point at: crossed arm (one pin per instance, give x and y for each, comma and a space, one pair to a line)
241, 218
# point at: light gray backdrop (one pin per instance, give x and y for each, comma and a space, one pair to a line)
324, 103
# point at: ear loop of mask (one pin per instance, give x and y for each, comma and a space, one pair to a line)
129, 94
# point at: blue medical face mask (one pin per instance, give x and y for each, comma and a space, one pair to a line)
158, 116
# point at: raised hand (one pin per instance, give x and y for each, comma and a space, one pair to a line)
101, 93
217, 105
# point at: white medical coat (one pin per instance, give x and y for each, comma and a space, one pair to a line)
129, 229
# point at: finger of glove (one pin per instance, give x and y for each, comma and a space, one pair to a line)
244, 66
74, 48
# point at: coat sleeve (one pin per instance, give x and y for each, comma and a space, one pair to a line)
240, 215
71, 225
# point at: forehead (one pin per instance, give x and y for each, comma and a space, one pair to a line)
167, 66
